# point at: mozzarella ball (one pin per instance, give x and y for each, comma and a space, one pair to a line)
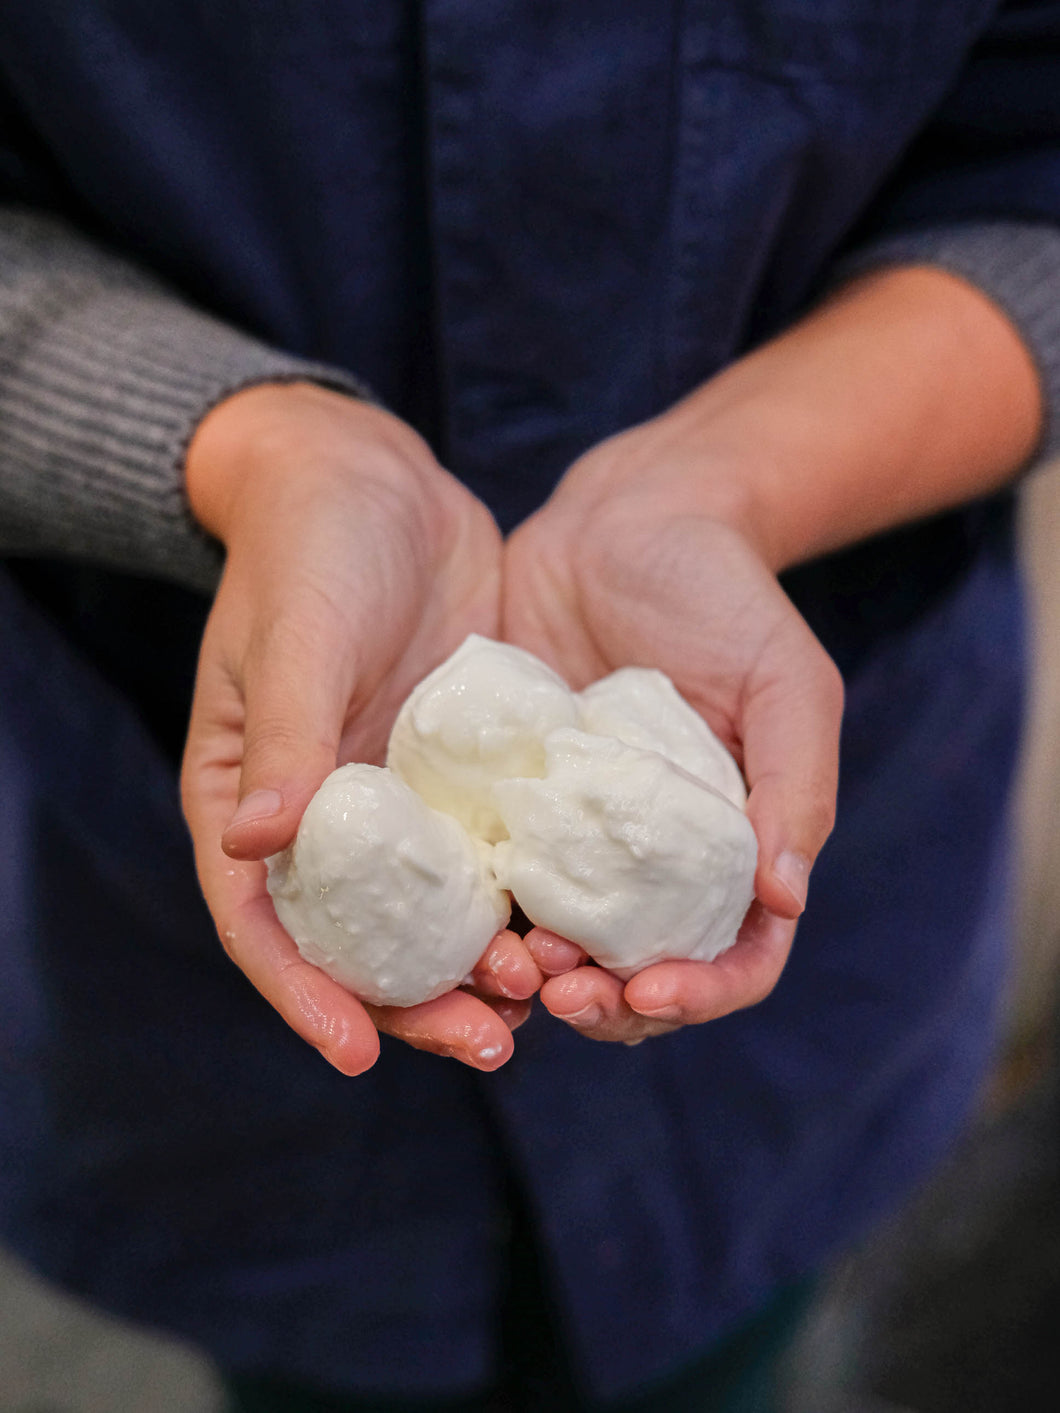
642, 707
479, 717
389, 897
625, 854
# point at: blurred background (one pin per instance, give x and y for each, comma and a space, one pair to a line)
954, 1308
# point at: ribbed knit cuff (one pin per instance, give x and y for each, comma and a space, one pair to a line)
104, 377
1016, 264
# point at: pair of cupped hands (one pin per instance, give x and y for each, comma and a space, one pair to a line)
355, 564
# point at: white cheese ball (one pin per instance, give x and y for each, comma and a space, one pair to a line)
479, 717
642, 707
391, 898
625, 854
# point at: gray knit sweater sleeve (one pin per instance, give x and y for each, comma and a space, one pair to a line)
104, 376
1017, 264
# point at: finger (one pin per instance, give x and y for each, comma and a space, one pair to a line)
273, 797
512, 1013
456, 1025
319, 1010
553, 954
296, 689
689, 993
591, 1000
791, 758
316, 1007
507, 969
325, 1013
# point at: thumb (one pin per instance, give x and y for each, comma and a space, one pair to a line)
296, 695
791, 758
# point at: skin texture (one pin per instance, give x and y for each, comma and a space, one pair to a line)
356, 564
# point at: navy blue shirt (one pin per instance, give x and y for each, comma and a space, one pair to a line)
526, 225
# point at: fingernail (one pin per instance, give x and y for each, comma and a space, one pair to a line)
666, 1013
793, 870
499, 964
259, 804
555, 954
585, 1018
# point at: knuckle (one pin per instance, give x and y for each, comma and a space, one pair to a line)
186, 794
832, 687
761, 988
228, 940
274, 745
271, 737
819, 816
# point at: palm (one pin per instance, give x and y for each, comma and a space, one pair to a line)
627, 580
686, 597
341, 590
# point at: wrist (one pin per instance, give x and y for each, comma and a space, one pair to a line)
275, 441
226, 445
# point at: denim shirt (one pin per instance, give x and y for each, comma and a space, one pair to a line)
526, 225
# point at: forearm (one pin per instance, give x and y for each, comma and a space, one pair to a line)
907, 392
104, 376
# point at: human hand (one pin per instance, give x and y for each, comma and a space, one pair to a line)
632, 562
354, 564
906, 392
